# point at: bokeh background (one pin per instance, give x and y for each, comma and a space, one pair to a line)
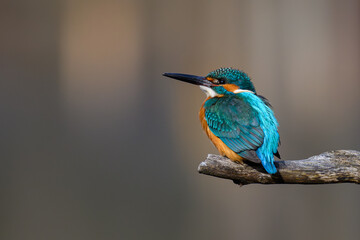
96, 144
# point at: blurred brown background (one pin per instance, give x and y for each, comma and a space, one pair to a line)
96, 144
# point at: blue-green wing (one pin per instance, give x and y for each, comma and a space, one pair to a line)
233, 121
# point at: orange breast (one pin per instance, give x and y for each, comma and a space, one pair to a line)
220, 145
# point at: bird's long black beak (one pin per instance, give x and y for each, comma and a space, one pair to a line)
197, 80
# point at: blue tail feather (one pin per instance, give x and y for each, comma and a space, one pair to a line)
267, 162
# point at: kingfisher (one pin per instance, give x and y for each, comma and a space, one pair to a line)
239, 122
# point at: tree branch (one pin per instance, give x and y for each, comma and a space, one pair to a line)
340, 166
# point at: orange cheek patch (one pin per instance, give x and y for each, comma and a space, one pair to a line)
230, 87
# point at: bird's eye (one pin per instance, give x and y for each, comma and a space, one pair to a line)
220, 81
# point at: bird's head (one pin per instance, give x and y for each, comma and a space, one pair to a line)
222, 81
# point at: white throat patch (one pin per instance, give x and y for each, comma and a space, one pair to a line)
208, 91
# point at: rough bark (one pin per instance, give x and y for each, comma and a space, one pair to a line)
340, 166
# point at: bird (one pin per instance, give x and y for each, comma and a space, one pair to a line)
239, 122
